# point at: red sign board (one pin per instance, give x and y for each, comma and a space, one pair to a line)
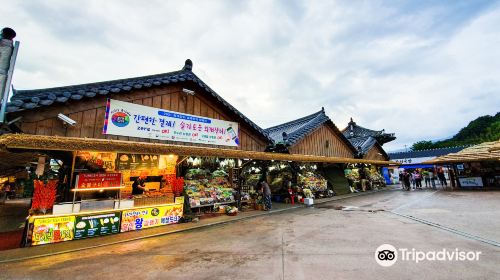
98, 180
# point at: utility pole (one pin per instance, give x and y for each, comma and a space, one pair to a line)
8, 55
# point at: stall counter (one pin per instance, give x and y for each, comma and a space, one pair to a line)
46, 229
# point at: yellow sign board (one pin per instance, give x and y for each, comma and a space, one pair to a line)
151, 217
53, 230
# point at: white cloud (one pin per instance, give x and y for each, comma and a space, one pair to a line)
422, 71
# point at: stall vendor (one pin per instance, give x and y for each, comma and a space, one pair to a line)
139, 186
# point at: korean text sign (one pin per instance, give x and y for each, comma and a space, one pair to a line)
98, 180
150, 217
52, 230
128, 119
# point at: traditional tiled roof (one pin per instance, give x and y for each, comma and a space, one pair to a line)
300, 128
354, 131
32, 99
426, 153
364, 142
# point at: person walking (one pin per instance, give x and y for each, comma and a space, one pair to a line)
362, 177
412, 179
401, 180
266, 192
433, 177
418, 179
427, 178
442, 178
452, 179
406, 180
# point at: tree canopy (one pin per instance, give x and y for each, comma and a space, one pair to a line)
482, 129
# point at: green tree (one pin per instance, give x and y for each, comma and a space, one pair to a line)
483, 129
422, 145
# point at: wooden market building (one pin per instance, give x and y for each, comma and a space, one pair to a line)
35, 126
316, 134
63, 130
368, 142
180, 91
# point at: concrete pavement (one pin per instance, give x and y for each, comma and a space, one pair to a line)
19, 254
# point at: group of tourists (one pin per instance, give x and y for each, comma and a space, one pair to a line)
413, 180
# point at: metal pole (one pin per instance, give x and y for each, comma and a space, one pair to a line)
74, 196
6, 88
120, 191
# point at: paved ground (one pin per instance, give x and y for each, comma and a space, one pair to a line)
315, 243
12, 218
13, 214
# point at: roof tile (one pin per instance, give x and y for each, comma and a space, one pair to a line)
426, 153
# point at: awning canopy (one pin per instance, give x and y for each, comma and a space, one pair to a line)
495, 147
482, 152
56, 143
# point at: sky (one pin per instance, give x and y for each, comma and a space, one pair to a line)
420, 69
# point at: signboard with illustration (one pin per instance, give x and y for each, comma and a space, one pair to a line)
99, 160
128, 119
52, 230
96, 225
137, 161
150, 217
98, 180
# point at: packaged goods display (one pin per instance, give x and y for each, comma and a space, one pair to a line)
372, 175
250, 181
352, 174
312, 181
205, 188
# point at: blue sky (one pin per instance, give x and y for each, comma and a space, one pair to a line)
421, 69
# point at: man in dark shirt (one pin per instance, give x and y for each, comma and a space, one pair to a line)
362, 177
138, 187
266, 191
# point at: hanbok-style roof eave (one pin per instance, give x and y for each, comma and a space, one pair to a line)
355, 131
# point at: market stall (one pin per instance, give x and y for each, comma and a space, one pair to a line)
311, 181
117, 165
103, 201
212, 185
362, 177
291, 181
287, 180
473, 167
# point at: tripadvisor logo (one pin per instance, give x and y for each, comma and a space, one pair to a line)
387, 255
